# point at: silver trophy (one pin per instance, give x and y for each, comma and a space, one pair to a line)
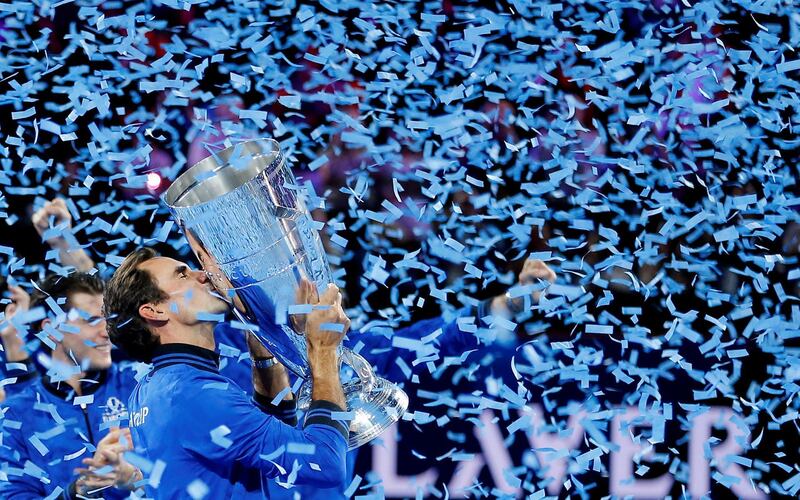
253, 235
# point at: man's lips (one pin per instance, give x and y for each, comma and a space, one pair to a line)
103, 347
214, 293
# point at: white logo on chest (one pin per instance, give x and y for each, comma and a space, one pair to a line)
138, 417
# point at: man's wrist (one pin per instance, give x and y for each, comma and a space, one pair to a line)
136, 476
325, 380
323, 361
269, 376
79, 489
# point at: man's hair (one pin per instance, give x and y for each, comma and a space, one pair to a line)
127, 290
57, 287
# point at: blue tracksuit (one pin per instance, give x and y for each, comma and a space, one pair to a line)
47, 431
196, 432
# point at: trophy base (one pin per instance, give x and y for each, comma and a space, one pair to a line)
373, 410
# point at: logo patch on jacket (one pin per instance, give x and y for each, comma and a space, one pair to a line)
114, 410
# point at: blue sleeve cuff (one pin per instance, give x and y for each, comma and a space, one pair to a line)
321, 413
285, 410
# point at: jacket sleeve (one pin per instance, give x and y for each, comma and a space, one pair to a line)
226, 427
18, 376
20, 478
384, 349
285, 411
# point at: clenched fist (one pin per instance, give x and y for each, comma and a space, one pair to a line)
534, 271
57, 209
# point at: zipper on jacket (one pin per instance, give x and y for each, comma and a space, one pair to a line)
88, 424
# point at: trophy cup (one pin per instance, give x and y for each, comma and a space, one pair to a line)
241, 213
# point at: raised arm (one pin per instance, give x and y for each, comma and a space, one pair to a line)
68, 256
450, 338
270, 379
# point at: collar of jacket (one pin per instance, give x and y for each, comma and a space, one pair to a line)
173, 354
90, 383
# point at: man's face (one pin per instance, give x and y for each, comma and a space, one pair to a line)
189, 291
89, 345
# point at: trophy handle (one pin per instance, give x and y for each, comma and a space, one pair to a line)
374, 402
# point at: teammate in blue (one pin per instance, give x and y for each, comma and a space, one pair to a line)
56, 425
198, 431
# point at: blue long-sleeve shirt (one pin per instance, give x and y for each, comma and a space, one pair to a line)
201, 433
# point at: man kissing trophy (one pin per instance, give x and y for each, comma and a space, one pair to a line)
253, 235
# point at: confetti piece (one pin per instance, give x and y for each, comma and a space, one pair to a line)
218, 436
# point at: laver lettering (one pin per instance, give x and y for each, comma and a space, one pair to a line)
557, 455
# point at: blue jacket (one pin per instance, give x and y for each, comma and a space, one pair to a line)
47, 431
195, 432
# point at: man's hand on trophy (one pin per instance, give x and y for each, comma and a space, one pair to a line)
305, 297
327, 323
325, 328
